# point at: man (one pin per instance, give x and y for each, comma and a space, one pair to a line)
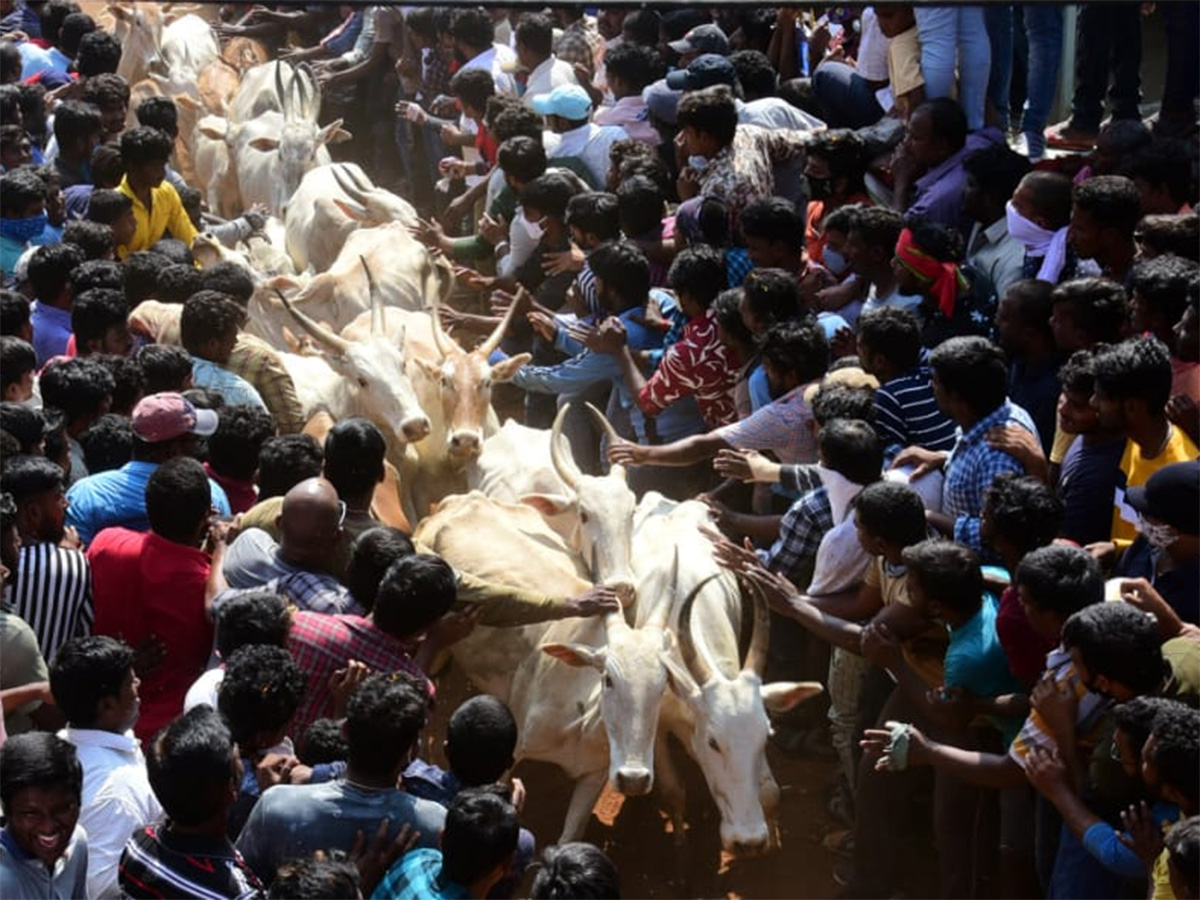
158, 586
78, 130
1158, 301
109, 93
993, 174
703, 39
96, 688
534, 46
567, 109
970, 384
629, 69
193, 768
52, 587
156, 205
83, 390
22, 217
208, 329
580, 43
309, 523
164, 426
100, 321
473, 35
1038, 216
50, 270
383, 721
1023, 332
870, 248
1132, 386
1104, 213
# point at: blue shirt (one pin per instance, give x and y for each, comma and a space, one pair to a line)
118, 497
10, 252
418, 876
234, 390
907, 414
976, 661
51, 331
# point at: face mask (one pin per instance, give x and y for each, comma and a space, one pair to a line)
699, 163
23, 230
533, 230
834, 261
1031, 234
1157, 536
819, 188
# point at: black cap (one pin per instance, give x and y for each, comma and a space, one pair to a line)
1171, 495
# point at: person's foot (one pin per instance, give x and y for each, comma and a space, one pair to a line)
1031, 145
1066, 136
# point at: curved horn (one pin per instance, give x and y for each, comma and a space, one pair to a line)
302, 79
360, 179
756, 655
696, 662
347, 184
605, 426
324, 335
494, 339
376, 301
279, 90
564, 464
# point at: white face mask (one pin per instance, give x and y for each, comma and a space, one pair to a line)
1158, 536
1031, 234
699, 163
834, 261
533, 230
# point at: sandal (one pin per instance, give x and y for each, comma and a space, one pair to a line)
1066, 137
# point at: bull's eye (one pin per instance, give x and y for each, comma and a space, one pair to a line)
712, 743
583, 517
608, 681
362, 382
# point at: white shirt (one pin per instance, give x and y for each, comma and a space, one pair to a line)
589, 143
772, 112
872, 48
631, 114
494, 59
550, 73
204, 689
117, 801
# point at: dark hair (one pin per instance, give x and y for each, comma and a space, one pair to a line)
165, 367
1049, 196
354, 453
129, 385
755, 73
997, 170
99, 53
85, 671
1078, 373
141, 275
549, 194
974, 370
383, 719
774, 219
844, 151
41, 760
234, 447
177, 283
24, 424
480, 740
260, 692
522, 158
1136, 718
710, 111
107, 89
160, 113
1176, 753
1111, 201
878, 226
285, 461
10, 62
640, 204
329, 876
536, 32
851, 447
575, 871
227, 277
1032, 299
941, 242
208, 316
892, 512
473, 87
254, 617
98, 273
698, 272
1136, 369
415, 591
77, 386
948, 120
650, 166
50, 269
480, 833
949, 573
107, 443
143, 145
798, 347
893, 333
624, 268
1119, 642
1098, 306
641, 26
595, 213
191, 766
729, 316
1178, 235
773, 295
1164, 164
1183, 847
174, 250
834, 400
17, 359
1162, 283
26, 476
74, 120
178, 499
94, 239
517, 121
323, 742
13, 136
74, 27
15, 312
94, 313
1023, 511
473, 26
635, 64
1060, 579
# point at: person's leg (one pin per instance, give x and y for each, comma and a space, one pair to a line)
1047, 828
847, 673
1017, 873
1044, 33
1126, 48
845, 96
954, 805
1183, 49
974, 63
937, 27
1092, 53
999, 20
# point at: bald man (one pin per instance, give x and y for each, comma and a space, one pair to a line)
309, 524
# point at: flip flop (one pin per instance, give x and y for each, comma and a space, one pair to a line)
1056, 139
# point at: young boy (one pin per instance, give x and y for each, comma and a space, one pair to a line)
114, 209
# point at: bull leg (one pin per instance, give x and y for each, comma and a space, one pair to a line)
583, 798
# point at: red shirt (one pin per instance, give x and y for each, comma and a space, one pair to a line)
143, 584
1025, 648
486, 145
241, 494
697, 364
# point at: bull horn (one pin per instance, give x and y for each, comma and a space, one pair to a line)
564, 464
279, 91
445, 346
605, 425
323, 335
360, 179
347, 184
494, 339
302, 78
376, 301
696, 662
756, 654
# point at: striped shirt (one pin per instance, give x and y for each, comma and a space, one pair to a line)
53, 593
158, 862
907, 415
1036, 733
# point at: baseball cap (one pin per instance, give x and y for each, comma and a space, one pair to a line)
1171, 495
166, 416
703, 71
702, 39
662, 102
569, 101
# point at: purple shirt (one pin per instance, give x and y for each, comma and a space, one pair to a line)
939, 191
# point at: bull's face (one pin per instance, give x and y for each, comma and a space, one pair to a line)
139, 27
464, 383
604, 536
375, 368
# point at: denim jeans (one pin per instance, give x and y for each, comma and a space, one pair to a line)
1109, 39
951, 34
1043, 31
846, 97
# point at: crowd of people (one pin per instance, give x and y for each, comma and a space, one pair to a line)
931, 361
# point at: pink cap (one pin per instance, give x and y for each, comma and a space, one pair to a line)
166, 416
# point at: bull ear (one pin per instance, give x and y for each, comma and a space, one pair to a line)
354, 211
429, 369
187, 102
333, 133
209, 127
783, 695
548, 504
265, 144
576, 655
123, 13
506, 369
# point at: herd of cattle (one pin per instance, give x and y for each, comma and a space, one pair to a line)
338, 261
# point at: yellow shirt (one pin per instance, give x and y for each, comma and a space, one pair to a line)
925, 653
166, 213
1137, 470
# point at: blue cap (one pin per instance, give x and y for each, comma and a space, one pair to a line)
662, 102
568, 101
707, 38
703, 71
